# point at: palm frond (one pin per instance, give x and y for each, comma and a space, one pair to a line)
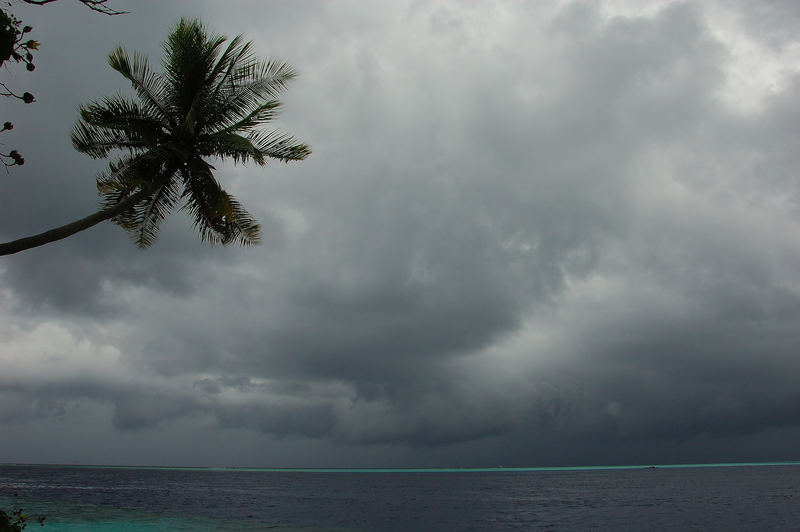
144, 170
241, 227
124, 115
97, 142
256, 117
190, 57
115, 192
268, 78
234, 55
114, 198
219, 218
231, 145
144, 220
256, 147
249, 87
277, 145
122, 175
148, 85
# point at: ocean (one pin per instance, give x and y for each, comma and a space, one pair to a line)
700, 497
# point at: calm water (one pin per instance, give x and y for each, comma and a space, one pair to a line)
763, 497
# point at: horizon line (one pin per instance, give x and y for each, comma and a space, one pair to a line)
500, 468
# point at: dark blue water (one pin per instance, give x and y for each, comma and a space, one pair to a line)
134, 499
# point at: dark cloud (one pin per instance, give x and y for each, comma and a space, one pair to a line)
528, 234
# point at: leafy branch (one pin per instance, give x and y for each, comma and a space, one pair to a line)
17, 520
12, 43
26, 97
16, 45
95, 5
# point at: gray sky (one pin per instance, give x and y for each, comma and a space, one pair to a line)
530, 233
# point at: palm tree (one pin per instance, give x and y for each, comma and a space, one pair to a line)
208, 103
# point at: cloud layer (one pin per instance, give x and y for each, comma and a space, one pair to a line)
529, 233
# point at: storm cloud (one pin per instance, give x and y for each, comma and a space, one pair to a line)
529, 233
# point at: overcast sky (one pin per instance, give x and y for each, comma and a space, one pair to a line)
530, 233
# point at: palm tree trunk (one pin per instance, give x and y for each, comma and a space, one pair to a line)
71, 228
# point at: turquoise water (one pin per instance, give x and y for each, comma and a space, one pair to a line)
65, 517
129, 523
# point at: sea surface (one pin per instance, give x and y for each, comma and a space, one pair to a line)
699, 497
